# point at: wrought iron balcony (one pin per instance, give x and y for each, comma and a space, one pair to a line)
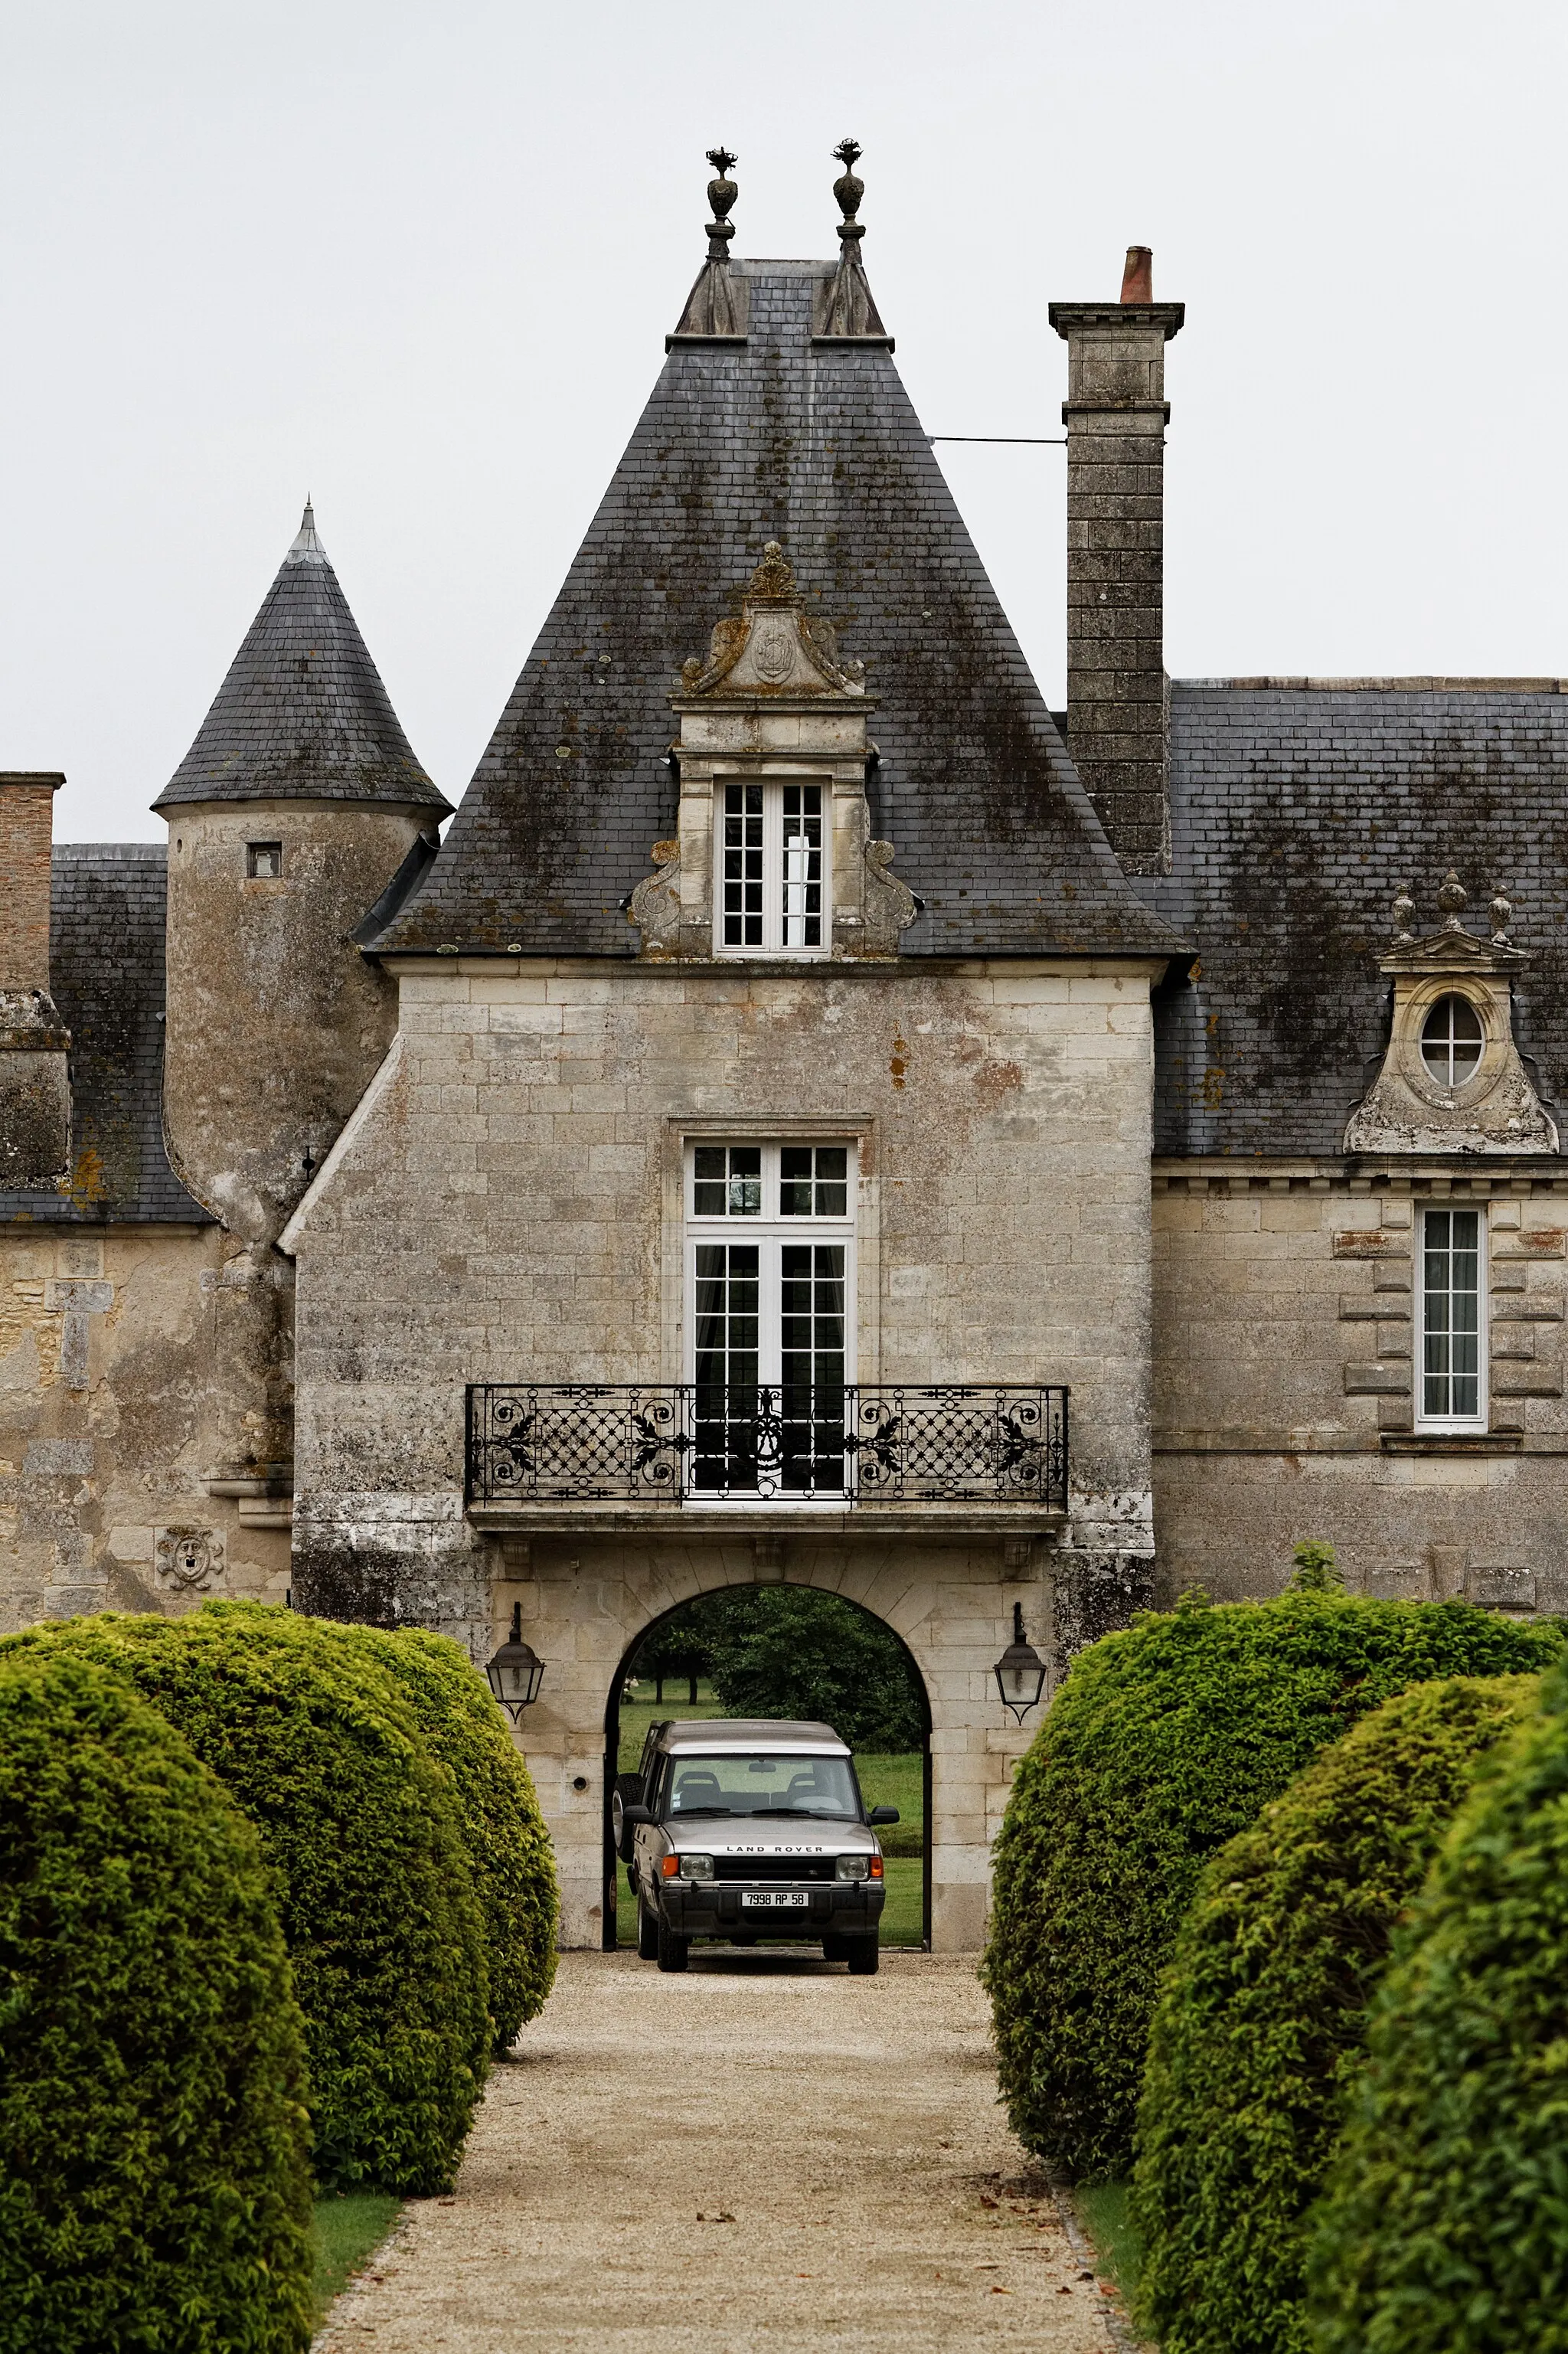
688, 1442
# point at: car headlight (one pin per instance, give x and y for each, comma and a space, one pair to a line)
853, 1867
698, 1867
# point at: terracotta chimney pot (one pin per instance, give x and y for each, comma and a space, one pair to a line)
1138, 278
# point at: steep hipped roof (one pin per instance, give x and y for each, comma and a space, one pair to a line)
106, 972
1299, 810
303, 715
777, 433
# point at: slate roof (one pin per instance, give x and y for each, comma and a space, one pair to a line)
1298, 811
774, 436
106, 955
303, 715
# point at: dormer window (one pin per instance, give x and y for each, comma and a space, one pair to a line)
1451, 1041
772, 867
264, 861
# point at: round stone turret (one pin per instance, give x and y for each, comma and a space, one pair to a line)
298, 804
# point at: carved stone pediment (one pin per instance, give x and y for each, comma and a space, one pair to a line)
772, 740
1416, 1105
774, 649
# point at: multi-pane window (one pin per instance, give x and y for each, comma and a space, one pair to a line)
771, 866
1451, 1041
771, 1268
1451, 1375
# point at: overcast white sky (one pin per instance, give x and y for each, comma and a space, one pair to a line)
419, 259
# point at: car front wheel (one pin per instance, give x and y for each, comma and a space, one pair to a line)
861, 1956
672, 1951
647, 1934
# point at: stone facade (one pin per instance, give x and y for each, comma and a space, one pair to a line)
1287, 1384
536, 1115
1132, 1082
130, 1382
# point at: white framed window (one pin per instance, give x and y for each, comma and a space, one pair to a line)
770, 1322
1451, 1321
771, 859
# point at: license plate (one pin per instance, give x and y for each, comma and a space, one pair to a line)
771, 1897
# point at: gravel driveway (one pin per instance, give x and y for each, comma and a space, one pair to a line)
763, 2153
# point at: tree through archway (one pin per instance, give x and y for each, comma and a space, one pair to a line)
787, 1652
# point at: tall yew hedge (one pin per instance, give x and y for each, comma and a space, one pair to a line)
319, 1748
1259, 2035
1165, 1741
155, 2175
1445, 2229
508, 1847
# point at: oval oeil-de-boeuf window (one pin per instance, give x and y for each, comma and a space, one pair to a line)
1451, 1041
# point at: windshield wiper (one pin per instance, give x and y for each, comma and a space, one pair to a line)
804, 1813
685, 1814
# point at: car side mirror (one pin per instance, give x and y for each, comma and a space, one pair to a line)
883, 1815
634, 1816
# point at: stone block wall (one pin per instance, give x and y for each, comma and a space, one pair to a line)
135, 1367
1284, 1384
507, 1204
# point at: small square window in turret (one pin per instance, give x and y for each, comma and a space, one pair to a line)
264, 861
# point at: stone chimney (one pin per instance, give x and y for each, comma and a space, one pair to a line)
35, 1087
1118, 699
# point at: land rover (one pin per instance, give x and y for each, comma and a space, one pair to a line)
742, 1828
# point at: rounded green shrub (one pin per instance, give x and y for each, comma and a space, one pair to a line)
1444, 2226
1166, 1740
319, 1748
508, 1847
154, 2173
1259, 2033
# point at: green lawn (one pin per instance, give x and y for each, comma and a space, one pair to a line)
1103, 2211
348, 2232
885, 1781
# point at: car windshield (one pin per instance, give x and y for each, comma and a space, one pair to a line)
764, 1785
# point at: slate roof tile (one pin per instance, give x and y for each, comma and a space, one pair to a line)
106, 964
818, 447
303, 714
1298, 812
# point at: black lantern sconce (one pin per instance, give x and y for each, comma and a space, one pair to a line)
1020, 1671
516, 1671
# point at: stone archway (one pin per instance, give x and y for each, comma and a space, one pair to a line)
587, 1598
612, 1742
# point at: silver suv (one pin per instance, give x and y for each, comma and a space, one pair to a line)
743, 1827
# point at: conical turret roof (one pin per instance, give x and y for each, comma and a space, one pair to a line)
303, 715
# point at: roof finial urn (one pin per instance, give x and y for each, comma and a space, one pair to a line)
721, 193
1453, 898
1501, 913
1403, 909
849, 191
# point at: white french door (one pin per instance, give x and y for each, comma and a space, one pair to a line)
769, 1346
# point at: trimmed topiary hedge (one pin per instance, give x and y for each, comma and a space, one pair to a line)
1445, 2229
1258, 2037
319, 1748
154, 2174
509, 1850
1165, 1741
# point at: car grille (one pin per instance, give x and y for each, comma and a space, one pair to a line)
773, 1867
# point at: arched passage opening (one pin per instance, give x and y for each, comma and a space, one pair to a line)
786, 1651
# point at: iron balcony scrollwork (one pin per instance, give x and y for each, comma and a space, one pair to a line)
696, 1442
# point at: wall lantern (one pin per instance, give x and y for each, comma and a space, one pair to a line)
1020, 1671
516, 1671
